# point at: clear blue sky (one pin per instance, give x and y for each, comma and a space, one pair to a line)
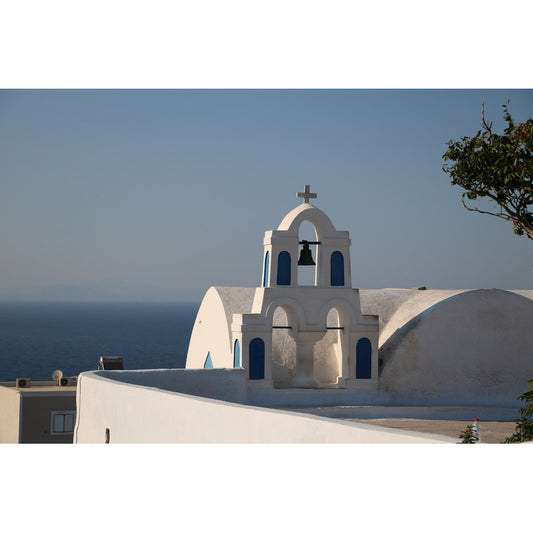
159, 194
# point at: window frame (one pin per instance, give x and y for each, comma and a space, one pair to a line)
64, 413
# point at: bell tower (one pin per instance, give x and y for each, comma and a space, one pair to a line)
287, 334
283, 251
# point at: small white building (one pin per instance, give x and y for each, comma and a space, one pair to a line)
37, 411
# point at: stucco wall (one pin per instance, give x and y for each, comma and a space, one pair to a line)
9, 415
219, 383
212, 328
135, 414
473, 347
395, 307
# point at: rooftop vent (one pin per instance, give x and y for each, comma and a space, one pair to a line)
111, 362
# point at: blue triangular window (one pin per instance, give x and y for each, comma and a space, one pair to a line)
208, 362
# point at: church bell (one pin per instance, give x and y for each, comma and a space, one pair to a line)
306, 257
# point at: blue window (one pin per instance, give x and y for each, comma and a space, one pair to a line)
284, 268
257, 359
363, 368
236, 354
267, 267
208, 363
337, 269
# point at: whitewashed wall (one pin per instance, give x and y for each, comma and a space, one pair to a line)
473, 347
212, 328
147, 414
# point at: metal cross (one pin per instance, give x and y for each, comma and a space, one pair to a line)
306, 194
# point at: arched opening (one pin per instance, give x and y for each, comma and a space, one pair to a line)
284, 268
337, 269
236, 354
363, 364
266, 270
283, 349
208, 363
327, 353
307, 274
257, 359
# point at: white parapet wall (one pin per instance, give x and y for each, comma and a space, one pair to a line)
159, 407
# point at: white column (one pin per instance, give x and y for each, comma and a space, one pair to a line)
305, 342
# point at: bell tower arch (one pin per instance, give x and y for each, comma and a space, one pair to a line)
286, 250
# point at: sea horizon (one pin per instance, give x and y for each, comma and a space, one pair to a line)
40, 336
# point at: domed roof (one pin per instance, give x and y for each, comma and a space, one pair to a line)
455, 345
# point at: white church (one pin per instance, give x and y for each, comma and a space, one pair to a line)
295, 362
285, 334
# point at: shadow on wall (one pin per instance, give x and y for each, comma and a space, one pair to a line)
476, 344
387, 350
228, 384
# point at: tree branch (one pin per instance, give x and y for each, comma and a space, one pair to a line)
511, 214
497, 168
499, 215
483, 123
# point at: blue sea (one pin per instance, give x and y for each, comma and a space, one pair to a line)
37, 338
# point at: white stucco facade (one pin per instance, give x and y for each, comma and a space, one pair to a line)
115, 408
474, 346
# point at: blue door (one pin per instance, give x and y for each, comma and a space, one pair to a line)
257, 359
363, 368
